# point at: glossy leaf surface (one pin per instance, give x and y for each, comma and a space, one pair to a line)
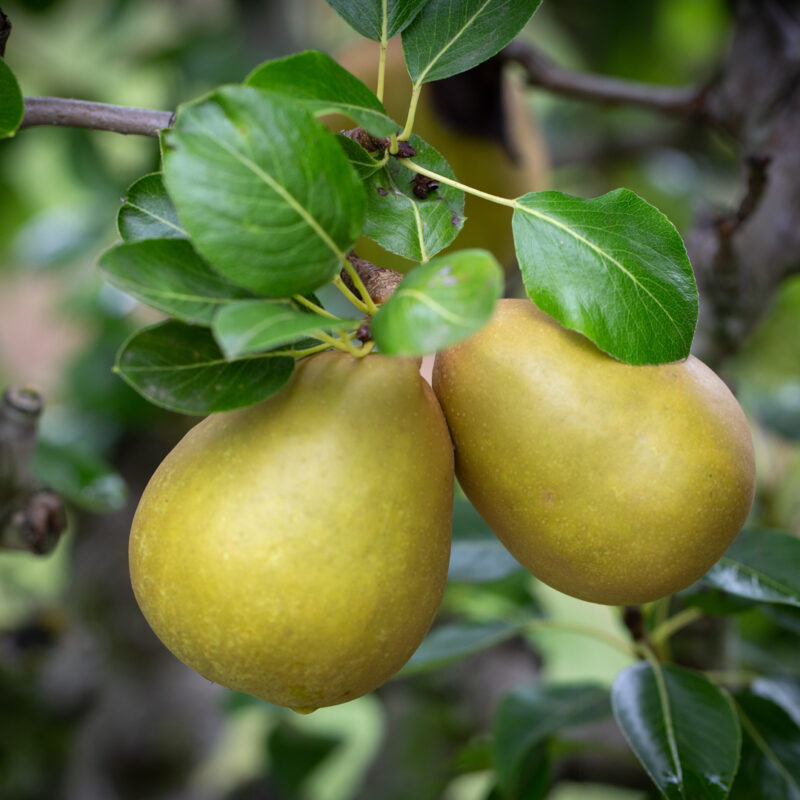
682, 728
180, 367
612, 268
265, 192
439, 303
169, 275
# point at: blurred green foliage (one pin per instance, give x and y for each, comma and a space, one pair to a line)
424, 736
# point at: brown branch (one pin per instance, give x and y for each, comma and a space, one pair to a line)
96, 116
544, 73
5, 32
31, 518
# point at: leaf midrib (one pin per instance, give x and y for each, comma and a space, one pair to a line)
452, 41
601, 252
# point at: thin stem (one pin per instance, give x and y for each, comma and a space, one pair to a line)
492, 198
342, 287
304, 301
340, 343
383, 44
412, 112
584, 630
306, 351
369, 303
742, 676
671, 626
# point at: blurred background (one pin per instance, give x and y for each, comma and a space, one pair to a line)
91, 704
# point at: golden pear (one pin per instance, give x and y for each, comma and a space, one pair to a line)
613, 483
478, 161
297, 550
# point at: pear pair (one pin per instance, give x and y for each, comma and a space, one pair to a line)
297, 550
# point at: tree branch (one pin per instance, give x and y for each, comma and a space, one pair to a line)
96, 116
31, 518
542, 72
5, 32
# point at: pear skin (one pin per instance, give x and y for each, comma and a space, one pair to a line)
612, 483
297, 550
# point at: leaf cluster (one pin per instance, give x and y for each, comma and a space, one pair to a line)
258, 206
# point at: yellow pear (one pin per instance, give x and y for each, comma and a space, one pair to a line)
613, 483
476, 160
297, 550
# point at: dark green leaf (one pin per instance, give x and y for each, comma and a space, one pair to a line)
314, 80
529, 715
12, 106
251, 326
81, 477
180, 367
449, 643
401, 222
295, 754
714, 601
612, 268
682, 728
265, 192
761, 565
377, 19
167, 274
148, 213
476, 555
439, 303
363, 163
446, 38
770, 766
783, 691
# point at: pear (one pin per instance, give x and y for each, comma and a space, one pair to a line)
613, 483
297, 550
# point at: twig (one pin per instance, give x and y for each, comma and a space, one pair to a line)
542, 72
96, 116
5, 32
31, 518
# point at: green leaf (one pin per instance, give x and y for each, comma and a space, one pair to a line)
446, 38
529, 715
376, 18
682, 728
761, 565
265, 192
251, 326
12, 106
439, 303
148, 213
315, 81
361, 161
180, 367
450, 643
770, 766
81, 477
612, 268
401, 222
476, 555
295, 754
167, 274
783, 691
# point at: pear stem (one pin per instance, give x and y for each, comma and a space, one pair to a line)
492, 198
304, 301
671, 626
585, 630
